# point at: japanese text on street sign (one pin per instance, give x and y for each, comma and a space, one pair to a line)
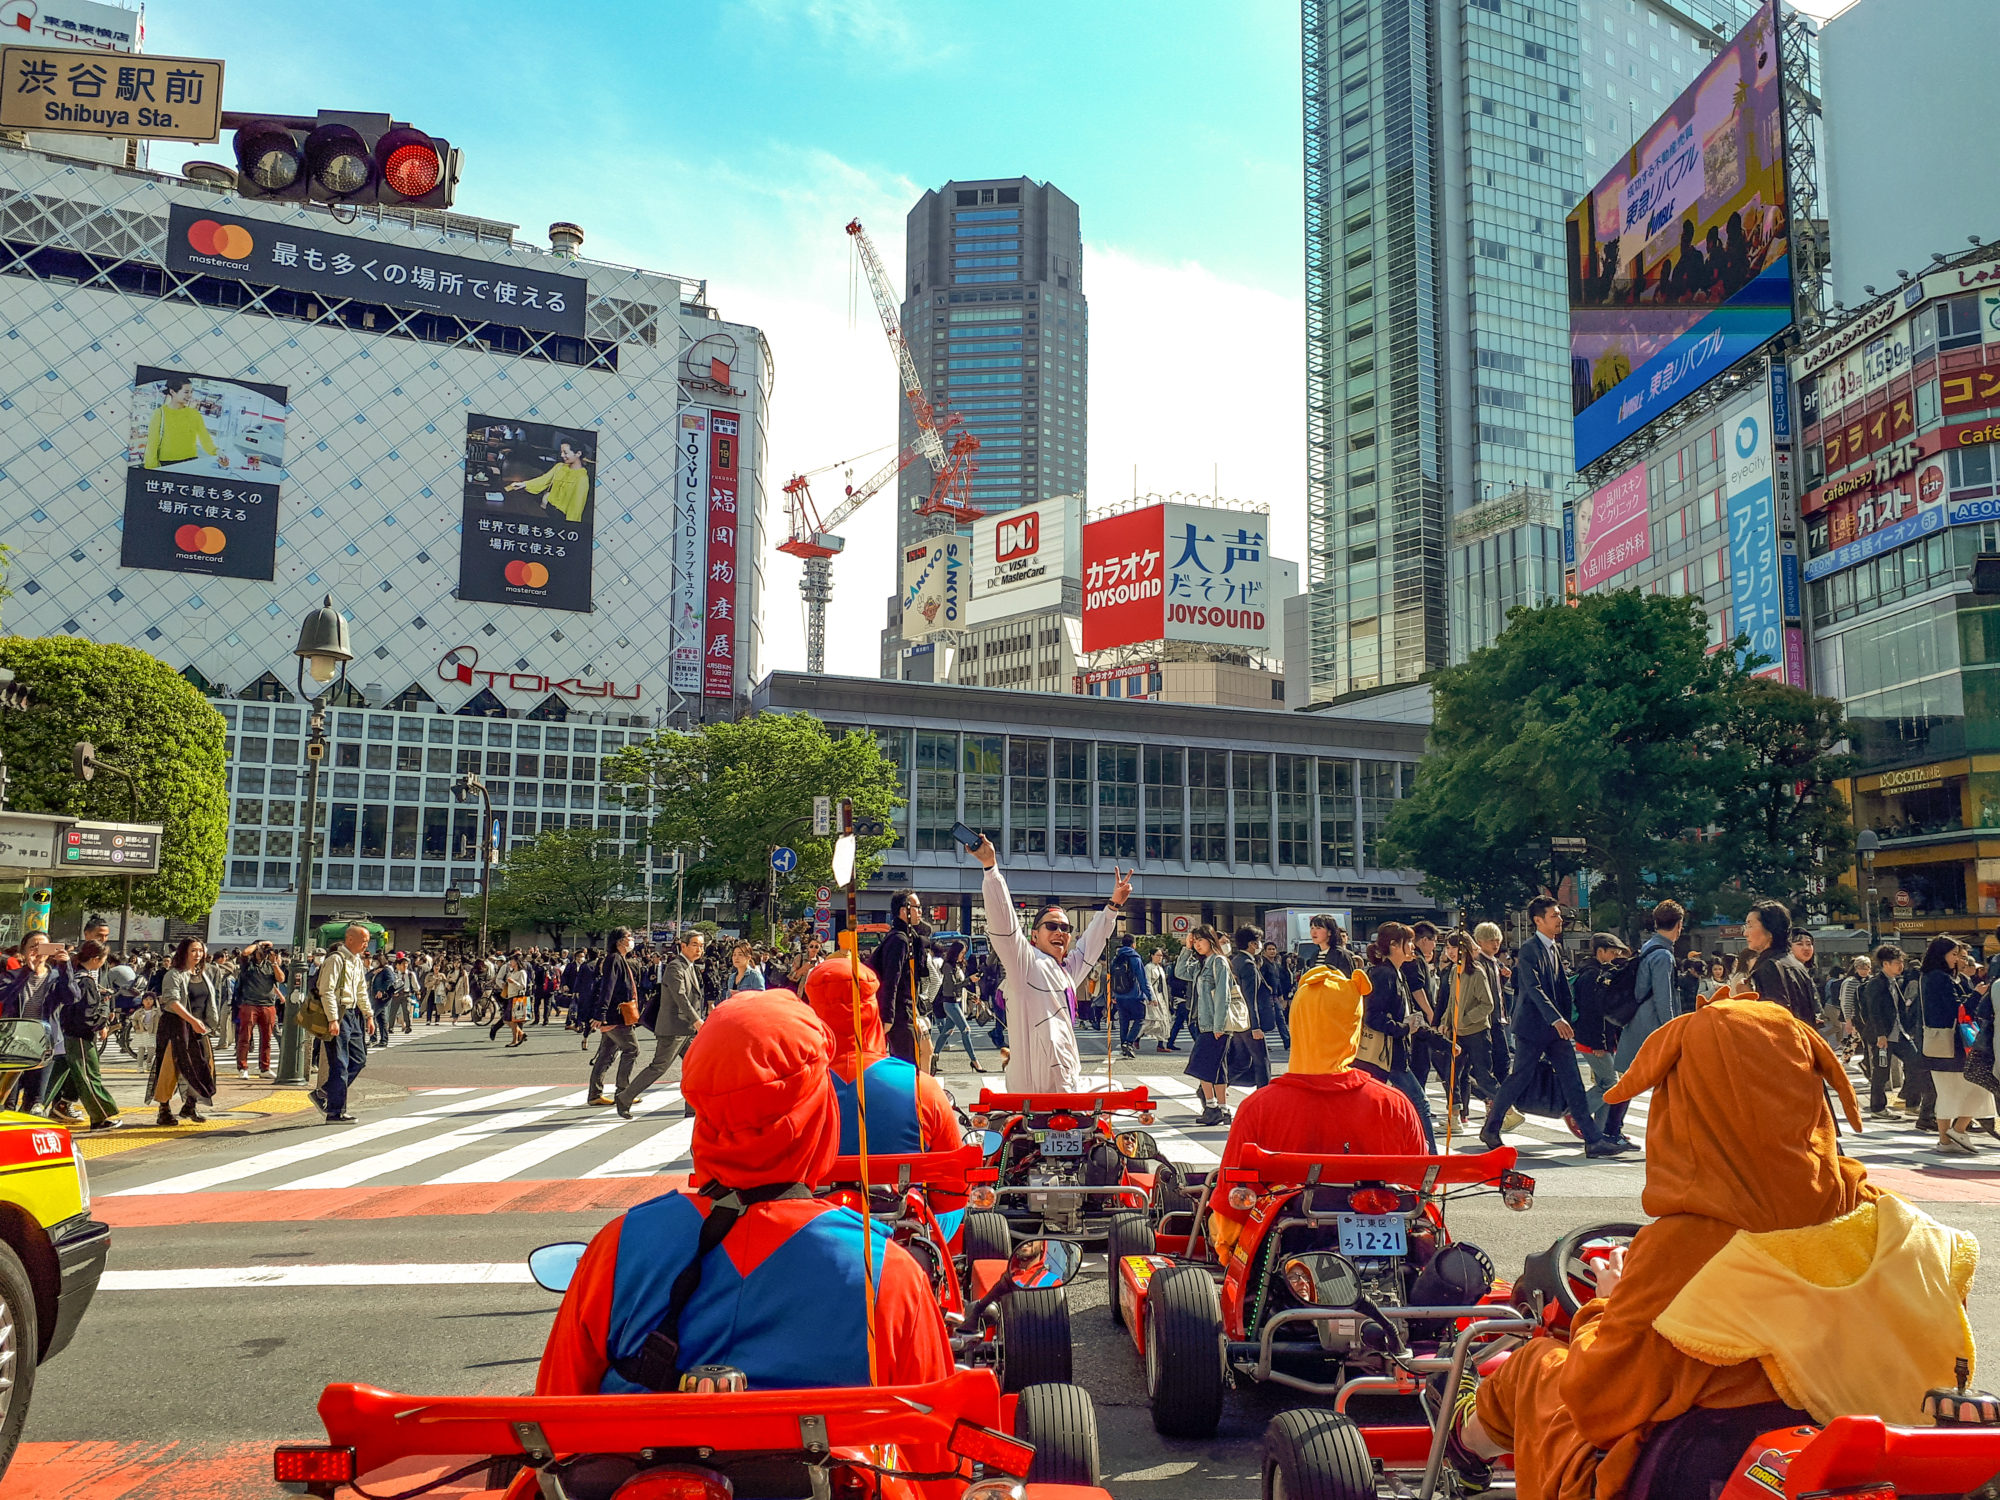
83, 93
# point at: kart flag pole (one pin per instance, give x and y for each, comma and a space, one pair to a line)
850, 940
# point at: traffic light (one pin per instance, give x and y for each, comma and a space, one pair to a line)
338, 156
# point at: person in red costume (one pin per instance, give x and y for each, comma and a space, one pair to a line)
781, 1297
908, 1110
1322, 1103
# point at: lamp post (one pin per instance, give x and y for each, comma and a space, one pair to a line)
1866, 843
323, 652
86, 762
467, 786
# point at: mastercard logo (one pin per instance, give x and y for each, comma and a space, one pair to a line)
527, 575
200, 539
230, 241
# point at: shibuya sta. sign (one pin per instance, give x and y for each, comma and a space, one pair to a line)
461, 665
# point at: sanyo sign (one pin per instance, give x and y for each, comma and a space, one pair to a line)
1020, 558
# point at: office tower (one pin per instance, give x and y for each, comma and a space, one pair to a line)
1445, 141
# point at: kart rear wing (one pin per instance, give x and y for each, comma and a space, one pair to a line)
1103, 1102
1851, 1452
1256, 1165
949, 1170
383, 1427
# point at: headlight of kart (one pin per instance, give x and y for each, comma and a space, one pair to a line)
1243, 1197
976, 1120
1517, 1191
1145, 1117
981, 1196
1299, 1277
995, 1489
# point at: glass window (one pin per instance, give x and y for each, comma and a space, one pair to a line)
527, 765
374, 831
1071, 767
895, 745
500, 734
583, 739
1166, 802
436, 824
381, 727
410, 730
402, 878
471, 734
1378, 797
369, 878
1208, 805
528, 736
438, 762
340, 830
1028, 795
1252, 773
1117, 801
1294, 809
403, 833
554, 737
936, 790
440, 731
409, 757
983, 767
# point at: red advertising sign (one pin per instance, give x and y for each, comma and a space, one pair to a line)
718, 668
1612, 533
1970, 390
1124, 579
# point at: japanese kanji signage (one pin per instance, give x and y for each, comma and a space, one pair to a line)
934, 574
1756, 584
530, 511
688, 594
206, 456
301, 259
718, 661
86, 93
1179, 573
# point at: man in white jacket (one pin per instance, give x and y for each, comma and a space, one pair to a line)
1042, 970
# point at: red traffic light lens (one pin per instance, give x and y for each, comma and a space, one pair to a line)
412, 169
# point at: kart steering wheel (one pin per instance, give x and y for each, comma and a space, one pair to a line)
1572, 1257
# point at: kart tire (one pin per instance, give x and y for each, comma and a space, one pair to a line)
1062, 1424
985, 1235
1316, 1455
1185, 1374
1034, 1338
20, 1342
1130, 1234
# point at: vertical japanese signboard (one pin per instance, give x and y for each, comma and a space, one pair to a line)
205, 457
529, 514
933, 587
718, 678
688, 594
1218, 575
1756, 582
1612, 533
1124, 580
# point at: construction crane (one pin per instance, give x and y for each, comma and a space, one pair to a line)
949, 453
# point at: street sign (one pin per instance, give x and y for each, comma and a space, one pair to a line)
823, 896
1181, 925
1570, 845
784, 861
130, 94
110, 849
28, 841
822, 817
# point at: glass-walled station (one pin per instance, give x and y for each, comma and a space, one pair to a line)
1225, 812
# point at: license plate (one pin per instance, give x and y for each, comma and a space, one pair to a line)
1062, 1143
1372, 1234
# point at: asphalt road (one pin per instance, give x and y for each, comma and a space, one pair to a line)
173, 1377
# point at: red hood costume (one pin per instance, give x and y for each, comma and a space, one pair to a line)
908, 1110
1773, 1230
782, 1297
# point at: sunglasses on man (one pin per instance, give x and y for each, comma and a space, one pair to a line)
1056, 927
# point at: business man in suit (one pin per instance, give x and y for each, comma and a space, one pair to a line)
1543, 1006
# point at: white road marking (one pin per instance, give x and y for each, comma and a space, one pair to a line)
201, 1278
354, 1173
656, 1153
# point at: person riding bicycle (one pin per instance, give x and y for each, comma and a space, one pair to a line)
1775, 1286
778, 1290
1322, 1102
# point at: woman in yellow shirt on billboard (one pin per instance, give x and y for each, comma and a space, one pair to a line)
567, 484
177, 432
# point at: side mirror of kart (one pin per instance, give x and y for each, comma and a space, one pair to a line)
1137, 1145
989, 1142
1043, 1263
554, 1266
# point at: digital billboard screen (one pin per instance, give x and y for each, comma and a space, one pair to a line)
1679, 260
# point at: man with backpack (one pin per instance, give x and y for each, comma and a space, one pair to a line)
1655, 985
1131, 992
1604, 984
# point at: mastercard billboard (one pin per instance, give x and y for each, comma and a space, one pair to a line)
530, 513
205, 457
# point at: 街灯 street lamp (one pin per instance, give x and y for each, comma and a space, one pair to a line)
323, 652
467, 786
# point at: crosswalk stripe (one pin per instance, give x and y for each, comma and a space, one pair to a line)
368, 1168
1182, 1151
659, 1151
271, 1161
192, 1278
517, 1159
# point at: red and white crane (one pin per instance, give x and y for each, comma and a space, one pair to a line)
948, 452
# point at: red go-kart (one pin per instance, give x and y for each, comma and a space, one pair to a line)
1063, 1168
1732, 1455
1020, 1331
1342, 1274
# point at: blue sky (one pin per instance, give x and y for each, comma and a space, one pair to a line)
733, 141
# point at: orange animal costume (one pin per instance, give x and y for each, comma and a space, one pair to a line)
1771, 1232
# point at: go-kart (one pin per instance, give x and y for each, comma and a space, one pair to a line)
1733, 1455
956, 1439
1343, 1273
1020, 1331
1063, 1169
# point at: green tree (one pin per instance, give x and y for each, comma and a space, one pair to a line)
144, 717
568, 879
725, 794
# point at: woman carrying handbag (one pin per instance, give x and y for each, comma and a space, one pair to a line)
1948, 997
1216, 1012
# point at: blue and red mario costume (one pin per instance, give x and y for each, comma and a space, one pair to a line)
782, 1297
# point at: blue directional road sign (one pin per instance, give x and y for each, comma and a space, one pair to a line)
784, 861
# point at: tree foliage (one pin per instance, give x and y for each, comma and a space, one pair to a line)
725, 794
143, 716
1612, 721
569, 879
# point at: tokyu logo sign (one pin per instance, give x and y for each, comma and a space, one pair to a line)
1019, 536
461, 665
